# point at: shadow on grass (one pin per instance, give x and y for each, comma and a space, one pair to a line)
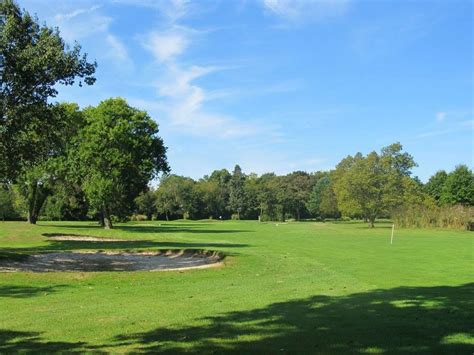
401, 320
55, 245
13, 342
416, 320
27, 291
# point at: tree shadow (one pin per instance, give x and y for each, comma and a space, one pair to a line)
12, 291
14, 342
400, 320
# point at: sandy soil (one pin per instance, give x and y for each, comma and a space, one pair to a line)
82, 238
104, 261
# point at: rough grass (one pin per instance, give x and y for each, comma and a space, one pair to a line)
292, 288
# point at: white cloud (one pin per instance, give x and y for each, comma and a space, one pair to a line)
118, 49
185, 100
75, 13
165, 46
297, 11
81, 23
172, 10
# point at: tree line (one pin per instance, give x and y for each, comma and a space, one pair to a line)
378, 185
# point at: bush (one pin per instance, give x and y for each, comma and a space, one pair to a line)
138, 217
419, 216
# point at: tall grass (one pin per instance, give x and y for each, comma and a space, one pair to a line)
421, 216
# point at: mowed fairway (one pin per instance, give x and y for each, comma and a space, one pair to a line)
293, 288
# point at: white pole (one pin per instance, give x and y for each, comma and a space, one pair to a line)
391, 238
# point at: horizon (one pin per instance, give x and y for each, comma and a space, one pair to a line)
280, 88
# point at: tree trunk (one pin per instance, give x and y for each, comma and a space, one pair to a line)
107, 219
166, 214
101, 220
32, 194
32, 218
36, 196
371, 222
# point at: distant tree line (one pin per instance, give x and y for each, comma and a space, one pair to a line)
365, 187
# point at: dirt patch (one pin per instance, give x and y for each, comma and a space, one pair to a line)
112, 261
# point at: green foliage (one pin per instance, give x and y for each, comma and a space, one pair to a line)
237, 192
51, 171
146, 203
434, 186
117, 153
34, 60
371, 186
316, 196
7, 208
295, 193
176, 195
459, 187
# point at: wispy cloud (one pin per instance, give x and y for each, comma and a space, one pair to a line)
303, 11
81, 23
171, 10
179, 96
166, 45
184, 103
447, 128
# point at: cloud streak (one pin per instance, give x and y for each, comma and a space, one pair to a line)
305, 11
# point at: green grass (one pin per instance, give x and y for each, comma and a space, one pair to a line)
293, 288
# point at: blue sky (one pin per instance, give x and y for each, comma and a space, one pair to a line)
279, 85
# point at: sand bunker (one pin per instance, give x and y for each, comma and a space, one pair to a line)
80, 238
105, 261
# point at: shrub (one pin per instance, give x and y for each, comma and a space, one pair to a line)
420, 216
138, 217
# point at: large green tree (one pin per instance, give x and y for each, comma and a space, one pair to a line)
34, 59
459, 187
38, 180
237, 192
372, 185
117, 153
322, 201
434, 186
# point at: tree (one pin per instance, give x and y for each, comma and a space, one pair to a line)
237, 192
372, 185
459, 187
176, 195
323, 201
297, 191
328, 206
314, 202
146, 203
7, 209
118, 152
33, 60
266, 196
434, 186
37, 181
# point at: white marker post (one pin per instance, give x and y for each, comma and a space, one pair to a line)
391, 238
